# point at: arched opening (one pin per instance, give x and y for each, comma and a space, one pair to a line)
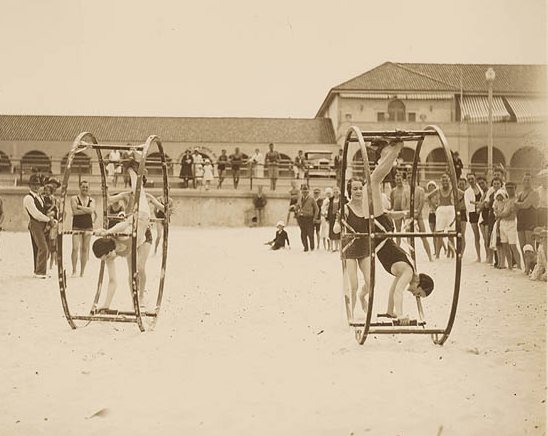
81, 164
396, 110
357, 162
478, 163
407, 155
154, 164
35, 161
436, 164
526, 159
5, 163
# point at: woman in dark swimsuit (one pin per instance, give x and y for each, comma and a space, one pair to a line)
83, 210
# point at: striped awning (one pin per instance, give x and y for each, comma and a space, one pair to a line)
475, 109
528, 109
399, 96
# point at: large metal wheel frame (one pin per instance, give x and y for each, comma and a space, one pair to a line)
82, 142
362, 330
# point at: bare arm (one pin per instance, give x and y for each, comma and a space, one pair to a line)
381, 171
155, 202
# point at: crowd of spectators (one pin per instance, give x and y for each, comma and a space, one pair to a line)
508, 220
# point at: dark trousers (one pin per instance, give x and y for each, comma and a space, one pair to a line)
39, 246
306, 223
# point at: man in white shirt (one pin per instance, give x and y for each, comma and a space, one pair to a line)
34, 205
472, 201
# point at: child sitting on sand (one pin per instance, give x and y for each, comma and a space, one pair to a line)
280, 238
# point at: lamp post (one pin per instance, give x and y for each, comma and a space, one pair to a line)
490, 77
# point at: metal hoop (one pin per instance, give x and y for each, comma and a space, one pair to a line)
362, 330
119, 316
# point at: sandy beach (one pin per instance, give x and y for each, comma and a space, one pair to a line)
254, 342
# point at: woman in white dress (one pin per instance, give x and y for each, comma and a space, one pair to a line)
208, 174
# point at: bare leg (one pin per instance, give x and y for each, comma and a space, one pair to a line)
515, 254
76, 242
364, 291
84, 254
159, 234
352, 271
506, 254
463, 231
425, 243
475, 230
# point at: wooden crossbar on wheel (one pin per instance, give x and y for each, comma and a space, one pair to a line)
363, 329
82, 142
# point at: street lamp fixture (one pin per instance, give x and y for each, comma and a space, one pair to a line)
490, 78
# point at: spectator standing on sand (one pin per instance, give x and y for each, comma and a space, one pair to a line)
526, 212
306, 211
332, 214
324, 224
419, 221
472, 200
83, 214
272, 160
34, 206
318, 221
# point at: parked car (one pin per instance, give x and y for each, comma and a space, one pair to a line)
319, 163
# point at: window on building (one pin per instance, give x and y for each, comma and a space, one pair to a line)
396, 110
380, 116
411, 116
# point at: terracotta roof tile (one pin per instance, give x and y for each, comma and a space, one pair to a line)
169, 129
390, 76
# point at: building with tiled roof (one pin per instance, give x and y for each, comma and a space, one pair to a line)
37, 138
455, 97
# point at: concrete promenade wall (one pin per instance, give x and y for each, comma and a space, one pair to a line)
192, 208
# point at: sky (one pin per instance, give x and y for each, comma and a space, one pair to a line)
238, 58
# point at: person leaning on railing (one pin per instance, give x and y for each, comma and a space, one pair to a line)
272, 160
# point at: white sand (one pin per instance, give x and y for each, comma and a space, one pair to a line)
237, 350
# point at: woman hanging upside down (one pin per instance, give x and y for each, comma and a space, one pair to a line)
110, 245
392, 257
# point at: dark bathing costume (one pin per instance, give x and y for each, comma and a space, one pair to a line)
527, 218
388, 254
84, 221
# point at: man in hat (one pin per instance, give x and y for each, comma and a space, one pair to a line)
307, 212
34, 205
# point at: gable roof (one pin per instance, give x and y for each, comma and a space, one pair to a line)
169, 129
420, 77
